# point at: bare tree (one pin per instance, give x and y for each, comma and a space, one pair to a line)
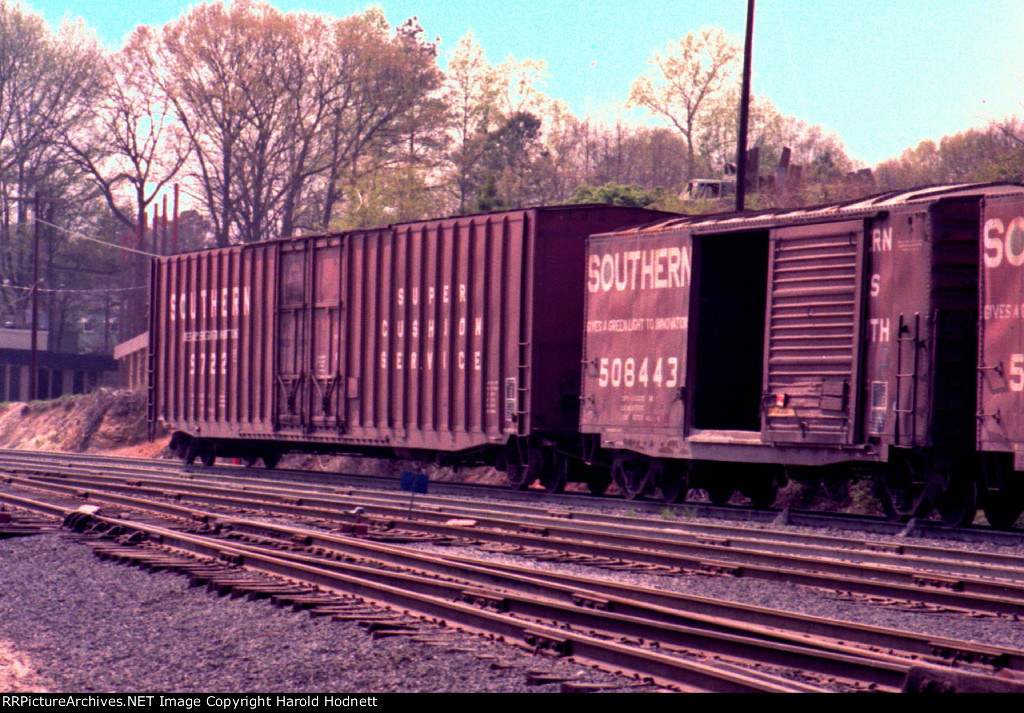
128, 142
686, 76
47, 81
283, 110
201, 63
643, 156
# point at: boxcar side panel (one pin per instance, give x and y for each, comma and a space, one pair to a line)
1001, 349
209, 356
560, 273
637, 330
921, 325
427, 323
897, 317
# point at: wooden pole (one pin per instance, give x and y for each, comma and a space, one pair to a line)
33, 377
741, 150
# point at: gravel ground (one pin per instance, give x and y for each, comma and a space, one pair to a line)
74, 624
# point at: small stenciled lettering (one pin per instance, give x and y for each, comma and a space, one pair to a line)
879, 329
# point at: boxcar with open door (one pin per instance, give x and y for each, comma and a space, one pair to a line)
881, 336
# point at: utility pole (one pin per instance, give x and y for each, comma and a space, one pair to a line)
741, 151
33, 377
174, 228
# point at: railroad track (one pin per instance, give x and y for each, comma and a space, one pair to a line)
935, 576
537, 500
413, 592
588, 611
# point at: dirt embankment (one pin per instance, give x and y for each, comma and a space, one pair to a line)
105, 420
114, 422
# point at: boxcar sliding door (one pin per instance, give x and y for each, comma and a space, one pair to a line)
309, 339
813, 341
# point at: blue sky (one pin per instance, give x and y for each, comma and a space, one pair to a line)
881, 74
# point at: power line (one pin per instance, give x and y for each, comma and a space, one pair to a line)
76, 234
59, 290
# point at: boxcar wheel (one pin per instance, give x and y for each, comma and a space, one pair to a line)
898, 502
554, 478
958, 505
190, 451
891, 510
674, 485
633, 476
178, 444
1001, 512
207, 453
719, 495
598, 482
521, 475
270, 460
1003, 505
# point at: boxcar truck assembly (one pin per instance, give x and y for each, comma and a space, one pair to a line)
455, 338
882, 337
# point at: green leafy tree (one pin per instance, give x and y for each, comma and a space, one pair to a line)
507, 162
616, 194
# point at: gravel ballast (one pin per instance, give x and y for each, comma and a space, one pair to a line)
79, 624
85, 625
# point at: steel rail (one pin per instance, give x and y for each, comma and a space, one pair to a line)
905, 553
915, 528
655, 605
898, 582
432, 598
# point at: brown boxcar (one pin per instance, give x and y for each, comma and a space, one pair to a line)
883, 336
458, 336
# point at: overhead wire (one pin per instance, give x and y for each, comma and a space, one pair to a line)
70, 291
83, 236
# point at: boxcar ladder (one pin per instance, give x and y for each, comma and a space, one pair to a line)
904, 337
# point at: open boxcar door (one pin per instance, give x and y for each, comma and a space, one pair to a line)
309, 345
